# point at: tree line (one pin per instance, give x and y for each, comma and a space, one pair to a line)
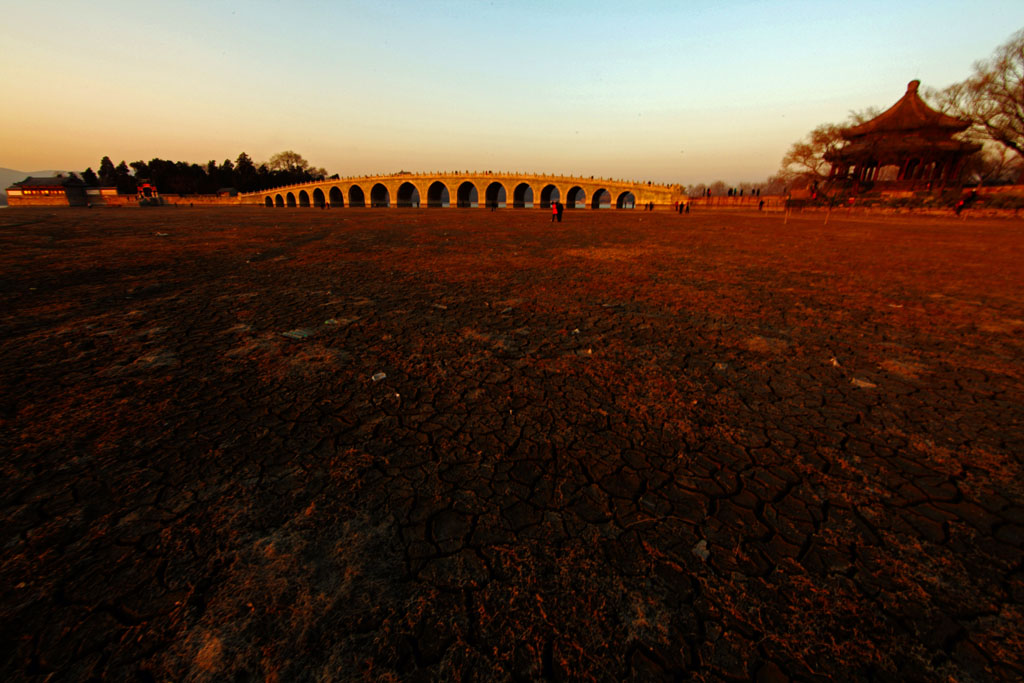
991, 98
180, 177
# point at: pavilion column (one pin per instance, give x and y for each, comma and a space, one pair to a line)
951, 167
956, 167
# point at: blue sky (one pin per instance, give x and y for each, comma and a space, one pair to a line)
665, 91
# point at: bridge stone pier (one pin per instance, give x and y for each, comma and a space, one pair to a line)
483, 189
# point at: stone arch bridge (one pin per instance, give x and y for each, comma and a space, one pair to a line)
471, 189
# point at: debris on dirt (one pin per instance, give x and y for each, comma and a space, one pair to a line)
834, 363
441, 307
161, 234
902, 368
701, 550
334, 322
862, 383
760, 344
378, 376
299, 333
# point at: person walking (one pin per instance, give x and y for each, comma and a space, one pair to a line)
561, 209
554, 212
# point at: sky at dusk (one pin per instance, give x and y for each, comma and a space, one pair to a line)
681, 92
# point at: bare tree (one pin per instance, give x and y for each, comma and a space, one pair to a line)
805, 160
775, 184
862, 116
994, 165
287, 161
992, 98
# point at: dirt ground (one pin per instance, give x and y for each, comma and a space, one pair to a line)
298, 444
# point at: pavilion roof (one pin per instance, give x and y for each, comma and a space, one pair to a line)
908, 114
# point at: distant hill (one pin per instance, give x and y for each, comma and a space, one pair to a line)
8, 176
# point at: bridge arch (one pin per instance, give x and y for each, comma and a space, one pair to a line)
303, 198
318, 197
522, 196
335, 197
290, 199
279, 201
575, 198
496, 195
268, 201
356, 197
467, 196
379, 196
548, 195
626, 200
438, 195
601, 199
407, 196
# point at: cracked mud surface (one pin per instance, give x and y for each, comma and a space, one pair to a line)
635, 446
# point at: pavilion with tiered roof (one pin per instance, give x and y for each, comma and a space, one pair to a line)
908, 147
